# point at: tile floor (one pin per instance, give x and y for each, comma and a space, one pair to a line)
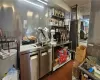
64, 73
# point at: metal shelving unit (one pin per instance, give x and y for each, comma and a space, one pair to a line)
60, 65
53, 52
63, 43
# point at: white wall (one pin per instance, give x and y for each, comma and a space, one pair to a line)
62, 4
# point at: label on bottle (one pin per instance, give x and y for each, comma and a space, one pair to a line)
53, 11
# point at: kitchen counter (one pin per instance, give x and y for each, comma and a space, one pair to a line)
27, 47
35, 62
31, 48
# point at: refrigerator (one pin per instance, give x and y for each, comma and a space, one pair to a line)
44, 62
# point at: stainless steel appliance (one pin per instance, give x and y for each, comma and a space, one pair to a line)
44, 62
34, 65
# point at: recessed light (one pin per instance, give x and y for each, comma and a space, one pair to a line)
29, 14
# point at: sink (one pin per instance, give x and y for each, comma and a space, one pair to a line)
36, 46
32, 47
28, 47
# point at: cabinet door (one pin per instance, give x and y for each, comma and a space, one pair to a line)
34, 67
44, 63
25, 67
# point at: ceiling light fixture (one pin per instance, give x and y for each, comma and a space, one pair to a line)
29, 14
32, 3
46, 0
42, 2
5, 5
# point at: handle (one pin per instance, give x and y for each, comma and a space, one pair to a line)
43, 54
34, 57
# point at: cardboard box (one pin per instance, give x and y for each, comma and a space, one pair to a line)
79, 58
80, 53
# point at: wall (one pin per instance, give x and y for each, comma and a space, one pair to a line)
94, 30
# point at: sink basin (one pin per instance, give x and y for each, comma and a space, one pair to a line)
28, 47
36, 46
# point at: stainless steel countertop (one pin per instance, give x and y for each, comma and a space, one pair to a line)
31, 48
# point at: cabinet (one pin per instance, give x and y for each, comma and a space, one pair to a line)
29, 65
34, 65
25, 66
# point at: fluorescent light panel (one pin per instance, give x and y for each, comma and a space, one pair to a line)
42, 2
32, 3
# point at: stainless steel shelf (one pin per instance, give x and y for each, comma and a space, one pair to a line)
59, 66
61, 44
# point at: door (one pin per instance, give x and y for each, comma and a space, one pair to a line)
44, 63
25, 66
34, 65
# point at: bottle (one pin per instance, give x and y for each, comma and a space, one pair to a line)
51, 22
63, 14
59, 14
53, 11
63, 23
56, 12
60, 23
